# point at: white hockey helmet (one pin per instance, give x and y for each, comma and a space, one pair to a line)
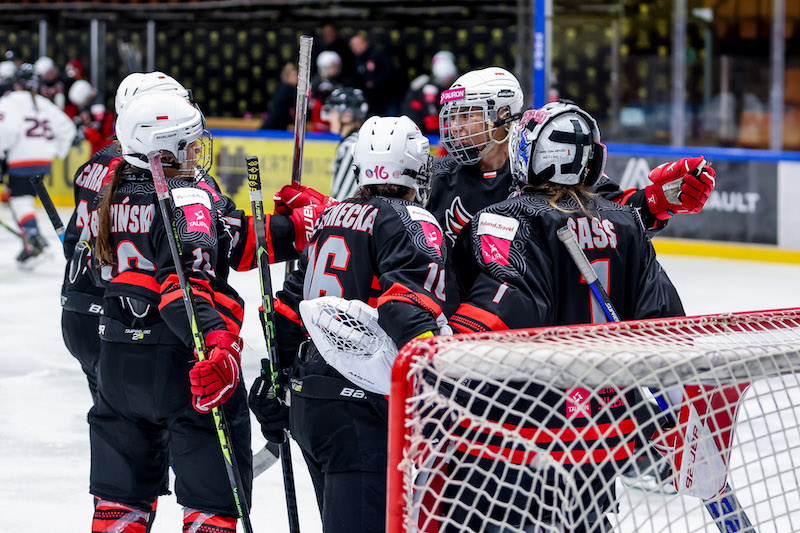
139, 83
81, 92
392, 150
44, 65
329, 64
165, 122
7, 70
559, 143
496, 94
443, 67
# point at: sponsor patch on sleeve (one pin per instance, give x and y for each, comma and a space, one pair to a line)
431, 228
184, 196
496, 233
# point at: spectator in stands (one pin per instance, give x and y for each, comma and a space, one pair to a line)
54, 83
328, 77
281, 109
373, 70
331, 40
421, 103
74, 70
94, 122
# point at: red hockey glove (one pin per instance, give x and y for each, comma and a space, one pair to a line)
304, 205
214, 379
290, 197
682, 186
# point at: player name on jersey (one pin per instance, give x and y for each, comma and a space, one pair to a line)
594, 232
92, 177
359, 217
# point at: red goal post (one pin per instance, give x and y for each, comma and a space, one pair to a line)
454, 440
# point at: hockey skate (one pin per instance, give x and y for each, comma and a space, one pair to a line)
30, 256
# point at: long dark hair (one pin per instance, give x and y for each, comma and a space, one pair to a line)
555, 192
104, 250
388, 190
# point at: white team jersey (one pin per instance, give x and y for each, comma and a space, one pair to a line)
31, 134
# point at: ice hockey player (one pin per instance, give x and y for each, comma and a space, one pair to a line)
151, 396
345, 110
33, 132
382, 248
477, 112
516, 273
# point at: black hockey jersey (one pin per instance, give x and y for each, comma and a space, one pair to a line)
383, 251
459, 191
78, 292
514, 272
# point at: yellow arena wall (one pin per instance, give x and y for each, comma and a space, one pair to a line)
275, 157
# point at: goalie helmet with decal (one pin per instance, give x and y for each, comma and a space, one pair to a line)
164, 122
558, 143
473, 108
392, 150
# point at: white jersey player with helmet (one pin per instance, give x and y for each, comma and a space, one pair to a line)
33, 132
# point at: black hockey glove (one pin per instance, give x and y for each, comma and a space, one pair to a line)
272, 414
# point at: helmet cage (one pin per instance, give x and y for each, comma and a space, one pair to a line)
458, 106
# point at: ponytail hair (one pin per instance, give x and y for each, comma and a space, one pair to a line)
555, 192
104, 249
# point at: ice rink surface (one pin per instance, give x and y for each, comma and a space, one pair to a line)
44, 437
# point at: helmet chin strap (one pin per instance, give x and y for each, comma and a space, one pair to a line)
493, 141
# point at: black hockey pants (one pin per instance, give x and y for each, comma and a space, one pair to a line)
342, 431
143, 412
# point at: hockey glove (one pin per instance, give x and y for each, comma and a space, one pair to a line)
272, 414
682, 186
214, 379
303, 205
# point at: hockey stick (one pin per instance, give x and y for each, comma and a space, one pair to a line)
20, 235
301, 105
300, 110
49, 207
725, 509
268, 316
164, 204
264, 458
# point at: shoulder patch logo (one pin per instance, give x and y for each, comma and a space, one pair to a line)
496, 233
189, 195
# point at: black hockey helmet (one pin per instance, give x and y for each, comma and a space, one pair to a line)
347, 99
26, 77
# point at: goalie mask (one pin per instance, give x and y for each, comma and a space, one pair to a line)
168, 123
473, 108
392, 150
559, 143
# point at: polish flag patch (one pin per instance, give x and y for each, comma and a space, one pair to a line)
198, 218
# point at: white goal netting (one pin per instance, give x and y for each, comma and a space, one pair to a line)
679, 425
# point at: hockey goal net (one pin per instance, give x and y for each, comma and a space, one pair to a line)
688, 424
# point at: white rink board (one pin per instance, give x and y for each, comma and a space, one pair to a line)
44, 438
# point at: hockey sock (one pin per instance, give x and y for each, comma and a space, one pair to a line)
195, 521
119, 518
22, 207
